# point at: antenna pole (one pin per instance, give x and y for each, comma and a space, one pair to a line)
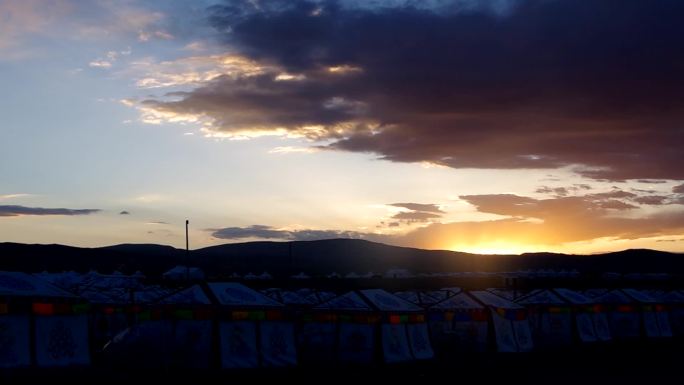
187, 252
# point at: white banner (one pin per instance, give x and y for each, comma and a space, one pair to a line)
239, 345
556, 329
317, 341
420, 341
601, 327
192, 343
585, 327
395, 346
523, 335
650, 324
357, 343
277, 344
505, 336
15, 341
664, 324
625, 324
62, 340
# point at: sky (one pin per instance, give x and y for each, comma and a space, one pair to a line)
488, 126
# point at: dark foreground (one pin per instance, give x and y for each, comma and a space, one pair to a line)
661, 361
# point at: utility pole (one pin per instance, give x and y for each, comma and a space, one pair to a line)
187, 252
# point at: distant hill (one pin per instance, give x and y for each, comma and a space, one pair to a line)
318, 257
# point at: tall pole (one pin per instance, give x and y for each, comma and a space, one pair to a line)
187, 252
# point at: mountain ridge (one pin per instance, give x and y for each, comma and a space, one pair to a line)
320, 257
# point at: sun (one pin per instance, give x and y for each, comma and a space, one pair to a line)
502, 247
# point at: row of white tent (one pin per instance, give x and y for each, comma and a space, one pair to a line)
232, 326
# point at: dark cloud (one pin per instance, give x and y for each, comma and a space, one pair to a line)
653, 181
415, 216
559, 191
652, 200
13, 211
124, 213
428, 208
268, 232
678, 189
544, 85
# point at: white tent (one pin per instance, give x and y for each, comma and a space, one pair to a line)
590, 319
459, 323
550, 318
655, 317
674, 304
182, 273
254, 333
402, 340
192, 328
511, 327
423, 298
341, 322
623, 317
60, 329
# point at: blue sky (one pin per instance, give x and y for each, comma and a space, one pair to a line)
272, 120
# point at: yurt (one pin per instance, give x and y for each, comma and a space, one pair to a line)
341, 329
591, 320
423, 298
458, 324
510, 324
624, 317
550, 319
34, 312
404, 333
653, 312
253, 328
674, 305
191, 313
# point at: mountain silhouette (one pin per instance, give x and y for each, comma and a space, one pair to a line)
318, 258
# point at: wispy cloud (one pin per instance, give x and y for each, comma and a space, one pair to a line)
13, 211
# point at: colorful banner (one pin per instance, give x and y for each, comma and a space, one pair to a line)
356, 343
239, 344
277, 344
395, 345
15, 341
62, 340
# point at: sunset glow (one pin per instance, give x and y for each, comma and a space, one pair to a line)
475, 126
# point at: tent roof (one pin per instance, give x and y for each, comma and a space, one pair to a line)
347, 301
508, 294
423, 297
385, 301
16, 284
540, 297
608, 296
193, 295
574, 297
456, 302
493, 300
641, 296
237, 294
